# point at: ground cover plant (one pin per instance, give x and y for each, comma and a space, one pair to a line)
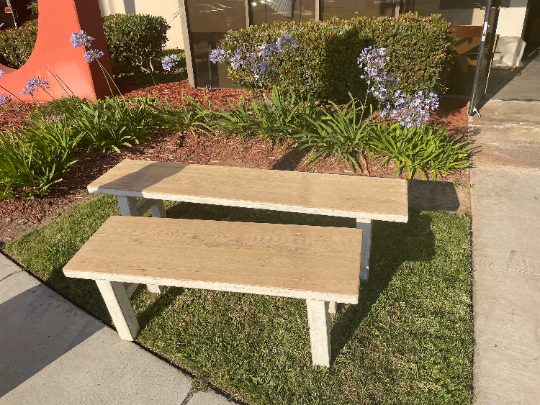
409, 340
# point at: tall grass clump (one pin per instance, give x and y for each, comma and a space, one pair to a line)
340, 132
279, 116
425, 149
33, 157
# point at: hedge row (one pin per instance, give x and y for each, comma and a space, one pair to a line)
325, 62
132, 40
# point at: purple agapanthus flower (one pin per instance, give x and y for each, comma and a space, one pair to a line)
218, 55
81, 39
237, 60
92, 54
262, 62
408, 110
413, 110
286, 41
34, 84
169, 61
4, 98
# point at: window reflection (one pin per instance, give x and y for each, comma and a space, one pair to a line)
271, 11
209, 21
346, 9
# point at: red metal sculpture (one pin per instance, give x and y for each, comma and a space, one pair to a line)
53, 52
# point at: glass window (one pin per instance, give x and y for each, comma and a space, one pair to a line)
457, 12
209, 21
271, 11
346, 9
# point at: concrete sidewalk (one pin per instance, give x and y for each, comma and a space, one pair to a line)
52, 352
505, 206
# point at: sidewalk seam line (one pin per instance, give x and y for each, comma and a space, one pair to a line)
9, 275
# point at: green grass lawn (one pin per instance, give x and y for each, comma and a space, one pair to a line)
408, 341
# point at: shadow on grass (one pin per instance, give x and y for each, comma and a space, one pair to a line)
392, 245
154, 310
236, 214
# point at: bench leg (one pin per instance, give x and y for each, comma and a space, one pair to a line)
154, 288
120, 308
128, 208
158, 209
365, 226
319, 332
332, 307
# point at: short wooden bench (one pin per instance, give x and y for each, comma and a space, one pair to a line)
363, 198
318, 264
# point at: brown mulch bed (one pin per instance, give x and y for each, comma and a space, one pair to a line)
16, 217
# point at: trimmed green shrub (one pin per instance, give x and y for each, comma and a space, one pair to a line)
133, 40
324, 63
17, 44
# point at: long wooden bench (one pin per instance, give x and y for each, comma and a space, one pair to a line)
363, 198
318, 264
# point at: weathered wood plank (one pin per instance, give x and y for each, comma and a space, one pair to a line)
321, 263
154, 289
312, 193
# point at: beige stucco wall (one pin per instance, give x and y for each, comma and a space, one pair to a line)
167, 9
512, 19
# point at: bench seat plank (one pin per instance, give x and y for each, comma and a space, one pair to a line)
311, 193
320, 263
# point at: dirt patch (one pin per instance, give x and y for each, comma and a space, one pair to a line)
450, 193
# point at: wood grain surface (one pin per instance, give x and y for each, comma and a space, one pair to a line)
312, 193
284, 260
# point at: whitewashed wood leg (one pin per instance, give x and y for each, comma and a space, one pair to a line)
128, 206
154, 288
319, 332
365, 225
158, 209
332, 307
130, 289
120, 308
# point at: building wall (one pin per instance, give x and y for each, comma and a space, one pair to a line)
167, 9
512, 19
